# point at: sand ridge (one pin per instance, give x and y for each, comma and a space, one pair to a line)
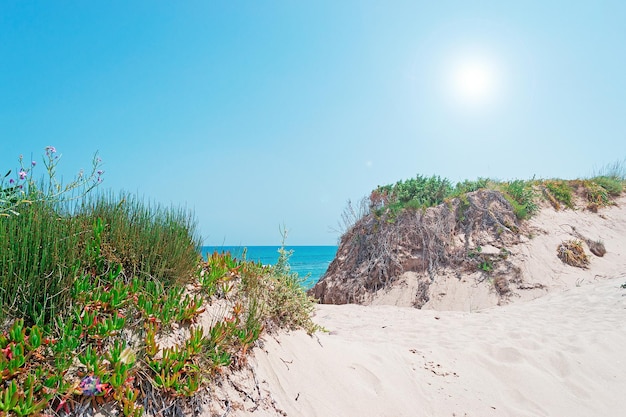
555, 349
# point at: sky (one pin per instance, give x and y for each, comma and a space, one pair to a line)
258, 115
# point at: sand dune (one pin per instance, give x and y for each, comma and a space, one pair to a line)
560, 355
557, 350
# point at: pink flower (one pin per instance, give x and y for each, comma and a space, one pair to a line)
22, 174
51, 150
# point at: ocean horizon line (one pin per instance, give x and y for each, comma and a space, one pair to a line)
308, 261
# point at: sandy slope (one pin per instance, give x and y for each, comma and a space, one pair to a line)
541, 271
557, 350
560, 355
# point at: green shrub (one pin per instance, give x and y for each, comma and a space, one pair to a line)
470, 186
279, 295
522, 197
597, 196
561, 191
417, 192
611, 184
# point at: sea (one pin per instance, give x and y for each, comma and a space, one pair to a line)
309, 262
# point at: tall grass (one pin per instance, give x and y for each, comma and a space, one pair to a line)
43, 247
147, 239
615, 170
39, 248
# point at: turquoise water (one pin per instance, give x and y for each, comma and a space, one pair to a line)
309, 262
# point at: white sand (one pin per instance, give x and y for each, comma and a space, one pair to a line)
555, 351
561, 355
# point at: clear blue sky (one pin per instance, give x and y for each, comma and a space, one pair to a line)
257, 114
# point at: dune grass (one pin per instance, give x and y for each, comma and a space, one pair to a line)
92, 283
44, 246
148, 240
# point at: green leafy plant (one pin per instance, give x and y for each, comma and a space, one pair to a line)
486, 266
104, 281
522, 197
597, 196
559, 192
612, 185
467, 186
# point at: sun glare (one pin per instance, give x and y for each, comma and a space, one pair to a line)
473, 82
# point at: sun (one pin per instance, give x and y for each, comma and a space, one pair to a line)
473, 82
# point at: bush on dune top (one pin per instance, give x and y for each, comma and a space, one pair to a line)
422, 192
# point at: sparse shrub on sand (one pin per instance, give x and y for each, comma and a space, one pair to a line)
559, 192
572, 253
522, 197
501, 284
597, 196
280, 295
611, 184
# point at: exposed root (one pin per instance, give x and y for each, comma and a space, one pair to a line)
379, 248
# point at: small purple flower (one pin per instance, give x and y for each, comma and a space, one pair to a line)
90, 385
33, 163
100, 172
51, 150
23, 174
11, 181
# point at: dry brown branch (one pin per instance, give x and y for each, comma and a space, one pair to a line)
377, 249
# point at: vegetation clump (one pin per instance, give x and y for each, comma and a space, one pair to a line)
422, 192
559, 192
427, 223
572, 253
95, 287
